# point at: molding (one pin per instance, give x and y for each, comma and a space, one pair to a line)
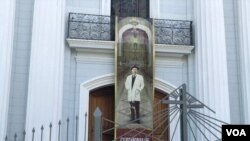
100, 81
109, 46
109, 79
181, 49
91, 44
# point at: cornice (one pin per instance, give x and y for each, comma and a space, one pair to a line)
97, 46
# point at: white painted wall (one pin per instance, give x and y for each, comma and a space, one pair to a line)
98, 7
171, 69
176, 9
163, 9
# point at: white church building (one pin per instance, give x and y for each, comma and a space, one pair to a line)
56, 66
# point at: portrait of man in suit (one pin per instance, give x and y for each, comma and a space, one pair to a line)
134, 85
134, 88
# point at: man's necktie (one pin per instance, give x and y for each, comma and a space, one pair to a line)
133, 80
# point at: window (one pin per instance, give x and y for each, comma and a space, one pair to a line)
130, 8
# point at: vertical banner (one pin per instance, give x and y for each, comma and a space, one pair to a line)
134, 78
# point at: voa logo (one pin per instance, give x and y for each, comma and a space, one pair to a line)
236, 132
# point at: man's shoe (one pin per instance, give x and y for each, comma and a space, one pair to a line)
138, 121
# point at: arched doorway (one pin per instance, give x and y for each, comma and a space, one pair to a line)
104, 99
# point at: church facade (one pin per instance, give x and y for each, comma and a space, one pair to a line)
52, 68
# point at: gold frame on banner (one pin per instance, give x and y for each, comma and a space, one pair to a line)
153, 42
116, 46
151, 53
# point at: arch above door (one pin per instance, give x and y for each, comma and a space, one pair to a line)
101, 81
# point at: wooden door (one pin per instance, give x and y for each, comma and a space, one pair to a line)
104, 99
160, 117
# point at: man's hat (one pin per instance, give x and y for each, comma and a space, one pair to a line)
134, 66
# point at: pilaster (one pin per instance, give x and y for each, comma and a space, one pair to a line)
7, 22
243, 7
211, 59
45, 86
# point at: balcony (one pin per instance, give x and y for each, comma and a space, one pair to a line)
90, 27
170, 35
173, 32
97, 27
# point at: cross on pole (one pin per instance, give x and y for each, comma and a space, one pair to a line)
185, 103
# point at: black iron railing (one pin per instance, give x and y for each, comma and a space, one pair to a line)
97, 27
173, 32
64, 131
90, 27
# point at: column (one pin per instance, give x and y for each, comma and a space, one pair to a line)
7, 22
243, 7
45, 86
210, 58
